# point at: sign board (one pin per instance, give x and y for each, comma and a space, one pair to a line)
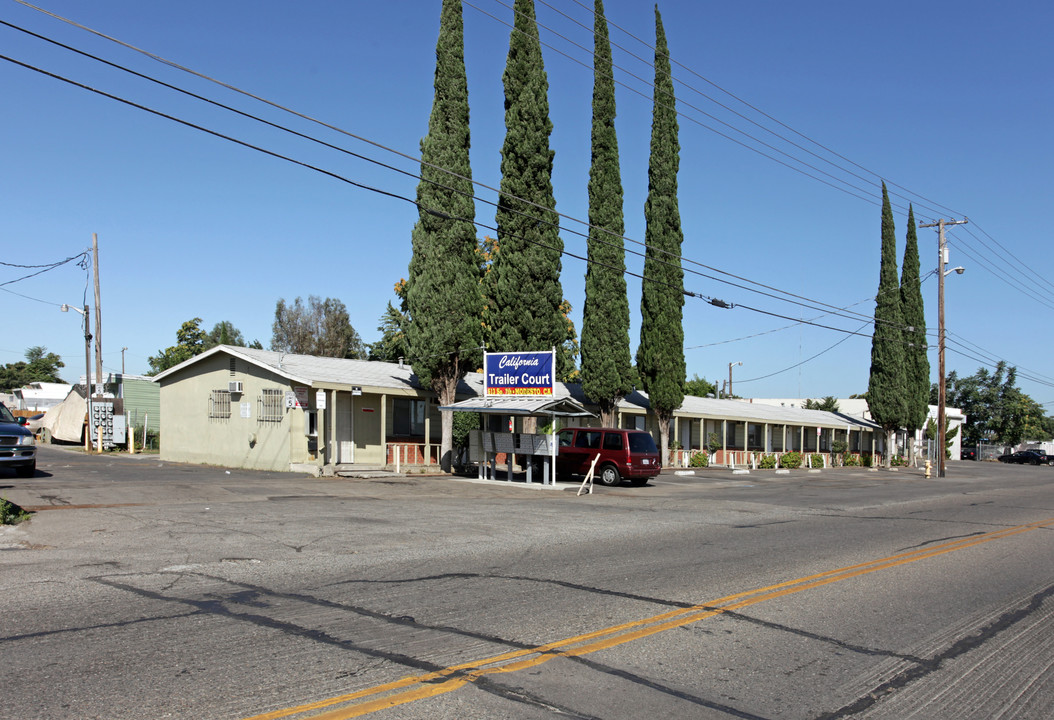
320, 399
301, 396
519, 373
290, 399
356, 390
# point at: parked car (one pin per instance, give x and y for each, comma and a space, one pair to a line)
629, 454
1027, 457
18, 449
968, 454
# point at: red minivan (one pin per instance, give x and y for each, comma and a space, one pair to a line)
629, 454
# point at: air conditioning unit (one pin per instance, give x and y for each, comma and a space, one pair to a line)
234, 386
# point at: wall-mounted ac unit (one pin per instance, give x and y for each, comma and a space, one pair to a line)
234, 386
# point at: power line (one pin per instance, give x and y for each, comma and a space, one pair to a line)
755, 109
806, 302
394, 195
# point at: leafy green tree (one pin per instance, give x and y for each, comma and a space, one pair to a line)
660, 354
392, 344
949, 435
887, 387
828, 404
442, 291
322, 328
607, 366
39, 366
523, 285
916, 363
191, 340
699, 387
996, 410
224, 333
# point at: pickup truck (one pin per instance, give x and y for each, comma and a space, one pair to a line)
1027, 457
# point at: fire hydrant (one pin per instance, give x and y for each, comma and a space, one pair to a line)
928, 466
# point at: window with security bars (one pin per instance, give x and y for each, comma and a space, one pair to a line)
272, 405
220, 404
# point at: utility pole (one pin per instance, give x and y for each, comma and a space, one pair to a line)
942, 259
98, 309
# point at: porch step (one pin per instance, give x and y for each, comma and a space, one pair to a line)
362, 471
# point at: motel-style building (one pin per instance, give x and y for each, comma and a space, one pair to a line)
258, 409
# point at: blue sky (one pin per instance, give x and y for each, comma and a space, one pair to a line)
949, 102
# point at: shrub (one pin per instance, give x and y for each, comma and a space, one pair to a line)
11, 514
852, 460
767, 462
898, 461
700, 459
791, 460
817, 460
866, 460
838, 447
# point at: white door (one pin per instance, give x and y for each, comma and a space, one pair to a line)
345, 428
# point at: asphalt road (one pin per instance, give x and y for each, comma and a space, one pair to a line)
142, 589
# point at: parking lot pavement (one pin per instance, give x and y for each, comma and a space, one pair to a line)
67, 477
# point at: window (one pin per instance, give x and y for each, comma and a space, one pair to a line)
271, 405
588, 439
232, 367
408, 417
220, 404
612, 441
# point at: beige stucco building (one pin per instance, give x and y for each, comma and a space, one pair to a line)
264, 410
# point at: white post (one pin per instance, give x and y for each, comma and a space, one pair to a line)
396, 459
131, 433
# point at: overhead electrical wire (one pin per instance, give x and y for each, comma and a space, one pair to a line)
805, 302
360, 138
709, 299
755, 109
386, 193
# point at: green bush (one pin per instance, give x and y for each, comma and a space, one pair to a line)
817, 460
767, 462
838, 447
898, 461
791, 460
866, 460
852, 461
11, 514
700, 459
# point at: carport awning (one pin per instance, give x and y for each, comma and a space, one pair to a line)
564, 407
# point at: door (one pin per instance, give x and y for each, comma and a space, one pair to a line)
345, 428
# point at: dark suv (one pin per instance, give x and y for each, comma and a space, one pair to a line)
629, 454
18, 448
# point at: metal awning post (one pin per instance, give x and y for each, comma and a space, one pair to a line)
552, 451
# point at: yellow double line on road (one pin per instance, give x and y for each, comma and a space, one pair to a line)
435, 683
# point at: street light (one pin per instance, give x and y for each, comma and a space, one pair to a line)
730, 366
87, 367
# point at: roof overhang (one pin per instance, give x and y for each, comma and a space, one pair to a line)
563, 407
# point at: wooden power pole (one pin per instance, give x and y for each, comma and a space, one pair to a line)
942, 259
98, 310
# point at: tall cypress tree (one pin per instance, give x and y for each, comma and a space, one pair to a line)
917, 365
442, 292
607, 367
660, 354
887, 387
524, 279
